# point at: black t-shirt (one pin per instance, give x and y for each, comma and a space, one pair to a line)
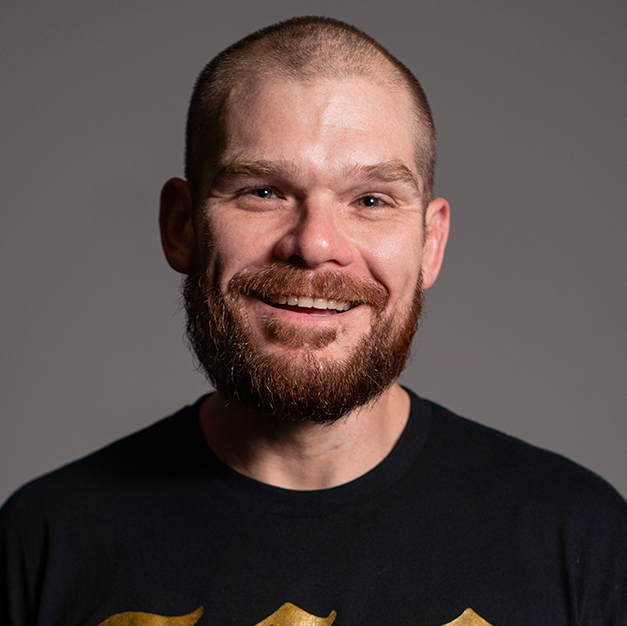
458, 521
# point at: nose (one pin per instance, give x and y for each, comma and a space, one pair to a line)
318, 236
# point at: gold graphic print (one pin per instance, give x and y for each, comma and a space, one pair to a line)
468, 618
290, 615
135, 618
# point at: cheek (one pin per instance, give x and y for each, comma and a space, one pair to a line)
237, 244
394, 261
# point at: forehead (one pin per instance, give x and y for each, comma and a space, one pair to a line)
359, 119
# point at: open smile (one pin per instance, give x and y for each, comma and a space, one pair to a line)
307, 304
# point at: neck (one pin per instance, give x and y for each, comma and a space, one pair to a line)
304, 455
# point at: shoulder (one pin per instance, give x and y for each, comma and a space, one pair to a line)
559, 515
497, 466
140, 458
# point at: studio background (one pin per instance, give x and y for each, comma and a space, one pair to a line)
524, 330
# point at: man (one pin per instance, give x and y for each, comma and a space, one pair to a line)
310, 488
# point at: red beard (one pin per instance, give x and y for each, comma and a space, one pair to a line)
307, 385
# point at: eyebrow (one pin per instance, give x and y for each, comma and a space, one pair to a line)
252, 168
386, 171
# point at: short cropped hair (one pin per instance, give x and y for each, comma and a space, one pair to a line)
302, 49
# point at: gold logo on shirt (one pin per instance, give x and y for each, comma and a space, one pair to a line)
468, 618
288, 615
136, 618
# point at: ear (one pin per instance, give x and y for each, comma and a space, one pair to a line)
175, 222
437, 222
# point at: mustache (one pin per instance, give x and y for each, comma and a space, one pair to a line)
276, 280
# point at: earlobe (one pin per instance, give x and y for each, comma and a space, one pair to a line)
437, 224
176, 224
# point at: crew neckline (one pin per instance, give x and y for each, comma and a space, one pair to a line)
278, 500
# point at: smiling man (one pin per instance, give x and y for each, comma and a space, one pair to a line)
310, 488
307, 239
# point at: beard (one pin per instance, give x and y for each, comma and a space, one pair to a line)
306, 384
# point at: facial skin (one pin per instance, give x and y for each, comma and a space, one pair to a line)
320, 178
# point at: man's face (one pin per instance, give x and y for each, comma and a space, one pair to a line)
310, 243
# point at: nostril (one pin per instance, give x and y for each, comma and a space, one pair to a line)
297, 261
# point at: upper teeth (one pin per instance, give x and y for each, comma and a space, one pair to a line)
308, 303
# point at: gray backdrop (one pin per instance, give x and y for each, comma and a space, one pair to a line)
525, 329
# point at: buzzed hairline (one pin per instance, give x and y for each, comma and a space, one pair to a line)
305, 50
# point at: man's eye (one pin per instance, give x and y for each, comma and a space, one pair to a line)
262, 192
370, 201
